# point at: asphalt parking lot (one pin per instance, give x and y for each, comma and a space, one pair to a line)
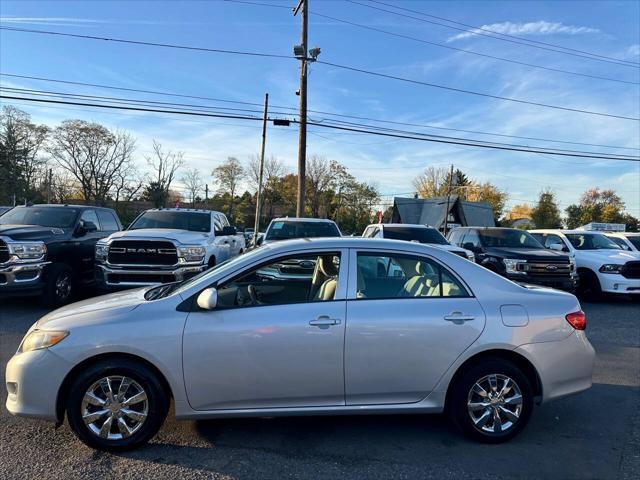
593, 435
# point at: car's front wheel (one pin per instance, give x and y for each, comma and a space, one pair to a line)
116, 405
491, 402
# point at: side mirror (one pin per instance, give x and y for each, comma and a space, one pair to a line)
470, 246
558, 247
226, 231
260, 240
208, 299
90, 227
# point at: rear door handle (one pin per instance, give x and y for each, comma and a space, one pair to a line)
324, 320
458, 317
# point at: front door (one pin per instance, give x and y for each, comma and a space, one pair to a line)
275, 338
409, 318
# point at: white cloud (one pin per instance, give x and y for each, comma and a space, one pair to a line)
540, 27
633, 50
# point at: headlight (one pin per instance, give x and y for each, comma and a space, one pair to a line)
611, 268
511, 265
38, 339
191, 254
28, 250
102, 250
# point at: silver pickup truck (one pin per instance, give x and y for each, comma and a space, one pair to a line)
165, 245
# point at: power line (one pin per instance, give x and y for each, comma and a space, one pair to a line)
441, 45
148, 44
408, 136
495, 36
506, 34
355, 117
471, 92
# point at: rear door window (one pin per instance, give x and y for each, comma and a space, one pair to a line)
108, 221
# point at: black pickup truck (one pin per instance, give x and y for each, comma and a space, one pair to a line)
49, 250
517, 255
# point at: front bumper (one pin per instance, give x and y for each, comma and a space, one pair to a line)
564, 367
116, 278
614, 283
33, 381
22, 277
568, 284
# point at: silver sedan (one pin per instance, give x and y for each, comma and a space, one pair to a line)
372, 326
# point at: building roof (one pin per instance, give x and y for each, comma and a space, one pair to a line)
431, 211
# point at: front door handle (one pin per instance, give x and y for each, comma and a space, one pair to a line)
324, 320
458, 317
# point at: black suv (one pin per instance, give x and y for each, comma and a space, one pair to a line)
515, 254
49, 250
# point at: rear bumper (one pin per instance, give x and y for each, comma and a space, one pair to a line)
564, 367
22, 278
109, 278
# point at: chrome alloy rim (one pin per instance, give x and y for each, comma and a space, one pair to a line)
115, 407
495, 403
63, 286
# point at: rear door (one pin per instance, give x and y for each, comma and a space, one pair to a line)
400, 339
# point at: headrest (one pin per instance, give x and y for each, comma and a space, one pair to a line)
327, 267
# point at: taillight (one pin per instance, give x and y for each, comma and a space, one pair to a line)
577, 320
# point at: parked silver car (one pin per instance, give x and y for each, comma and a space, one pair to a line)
434, 332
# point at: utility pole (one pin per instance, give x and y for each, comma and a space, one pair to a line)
206, 194
303, 5
49, 183
446, 212
256, 225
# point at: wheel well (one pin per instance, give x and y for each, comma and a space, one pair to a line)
212, 261
521, 362
63, 392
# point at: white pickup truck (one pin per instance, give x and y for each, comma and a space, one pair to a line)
602, 265
165, 245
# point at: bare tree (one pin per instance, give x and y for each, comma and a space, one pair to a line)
229, 175
432, 182
164, 165
274, 169
320, 174
64, 186
93, 154
192, 180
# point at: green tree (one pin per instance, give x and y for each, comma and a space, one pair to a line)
546, 213
597, 206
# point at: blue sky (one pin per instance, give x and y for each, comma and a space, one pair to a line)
606, 28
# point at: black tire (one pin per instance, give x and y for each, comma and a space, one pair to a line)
156, 405
212, 262
59, 286
460, 396
588, 286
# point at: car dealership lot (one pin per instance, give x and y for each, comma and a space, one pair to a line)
593, 435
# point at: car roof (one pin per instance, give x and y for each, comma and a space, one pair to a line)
556, 230
201, 210
349, 242
61, 205
302, 219
400, 225
623, 234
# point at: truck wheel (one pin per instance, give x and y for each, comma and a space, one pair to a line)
589, 286
59, 286
116, 405
212, 262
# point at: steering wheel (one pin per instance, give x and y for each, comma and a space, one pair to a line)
253, 295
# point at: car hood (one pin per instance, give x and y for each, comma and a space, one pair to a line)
29, 232
180, 236
83, 312
541, 254
613, 256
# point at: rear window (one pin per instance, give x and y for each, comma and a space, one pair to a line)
108, 221
415, 234
191, 221
283, 229
635, 241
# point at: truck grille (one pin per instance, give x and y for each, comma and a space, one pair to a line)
142, 252
4, 252
297, 267
546, 268
631, 270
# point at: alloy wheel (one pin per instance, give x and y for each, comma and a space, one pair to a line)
63, 286
495, 403
114, 407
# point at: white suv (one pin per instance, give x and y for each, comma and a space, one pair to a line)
165, 245
602, 265
629, 241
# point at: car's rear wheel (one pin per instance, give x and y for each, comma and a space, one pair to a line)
115, 405
491, 402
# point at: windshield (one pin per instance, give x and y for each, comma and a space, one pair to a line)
283, 229
508, 239
191, 221
418, 234
620, 242
591, 241
58, 217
